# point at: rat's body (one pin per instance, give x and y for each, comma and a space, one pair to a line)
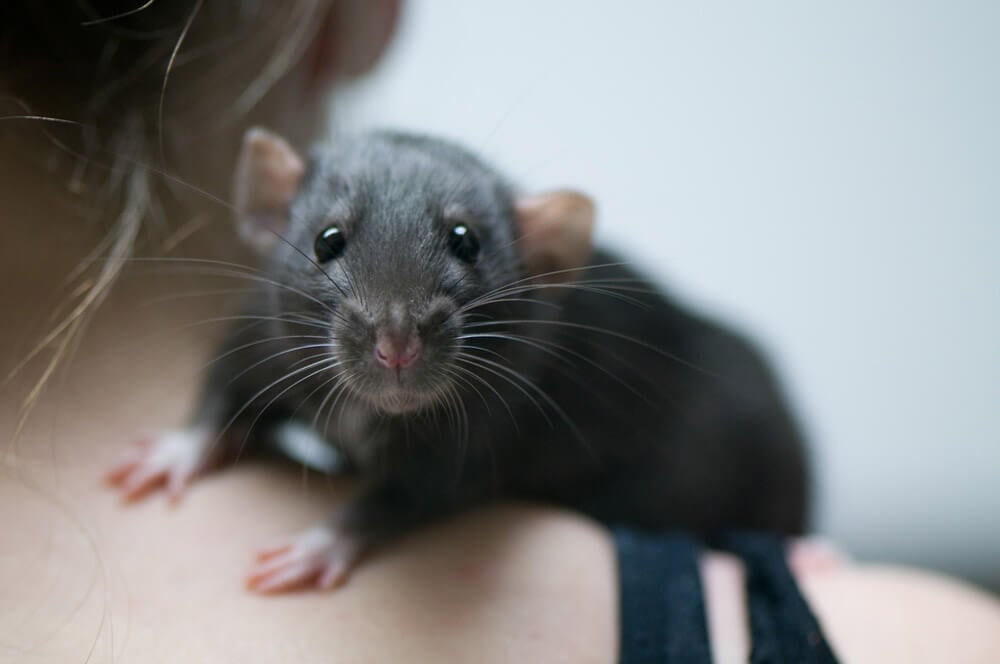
460, 345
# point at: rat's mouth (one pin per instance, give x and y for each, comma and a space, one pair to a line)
396, 378
399, 391
399, 401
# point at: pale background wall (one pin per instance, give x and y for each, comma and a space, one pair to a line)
827, 175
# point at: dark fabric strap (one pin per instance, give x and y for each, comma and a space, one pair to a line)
662, 609
783, 629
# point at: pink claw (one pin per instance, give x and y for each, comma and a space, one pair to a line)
322, 557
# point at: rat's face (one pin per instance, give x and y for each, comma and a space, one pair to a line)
396, 240
398, 247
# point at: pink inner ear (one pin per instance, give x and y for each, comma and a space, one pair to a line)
555, 233
268, 174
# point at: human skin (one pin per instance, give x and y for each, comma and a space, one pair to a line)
81, 574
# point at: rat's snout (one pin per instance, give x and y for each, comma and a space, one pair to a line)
397, 343
397, 351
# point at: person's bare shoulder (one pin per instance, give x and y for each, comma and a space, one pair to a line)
893, 614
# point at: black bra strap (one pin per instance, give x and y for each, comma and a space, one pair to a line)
782, 628
662, 610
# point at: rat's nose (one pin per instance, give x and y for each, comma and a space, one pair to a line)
394, 352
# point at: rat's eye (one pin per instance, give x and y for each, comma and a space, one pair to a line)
463, 243
329, 244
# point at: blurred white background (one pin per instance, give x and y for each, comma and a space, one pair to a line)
824, 175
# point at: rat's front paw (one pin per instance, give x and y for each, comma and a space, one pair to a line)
170, 459
320, 557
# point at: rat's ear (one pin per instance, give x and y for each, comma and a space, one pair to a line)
268, 173
554, 233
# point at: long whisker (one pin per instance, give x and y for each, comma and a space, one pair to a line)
338, 386
351, 283
291, 374
333, 379
544, 395
115, 17
464, 440
486, 383
323, 368
166, 74
258, 342
599, 288
544, 275
347, 376
287, 318
452, 414
502, 297
273, 356
541, 344
476, 362
239, 272
312, 262
454, 375
210, 292
601, 330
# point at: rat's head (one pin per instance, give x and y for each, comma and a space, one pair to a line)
395, 242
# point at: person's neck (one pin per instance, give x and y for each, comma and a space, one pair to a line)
55, 247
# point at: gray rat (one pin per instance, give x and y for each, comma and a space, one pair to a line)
458, 342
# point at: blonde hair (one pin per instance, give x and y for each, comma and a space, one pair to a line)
127, 97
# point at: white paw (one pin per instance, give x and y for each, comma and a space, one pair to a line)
170, 459
320, 557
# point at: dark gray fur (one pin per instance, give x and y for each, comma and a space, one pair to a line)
662, 420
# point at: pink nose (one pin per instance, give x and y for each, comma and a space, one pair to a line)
395, 354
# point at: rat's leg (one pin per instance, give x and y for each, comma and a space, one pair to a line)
325, 555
